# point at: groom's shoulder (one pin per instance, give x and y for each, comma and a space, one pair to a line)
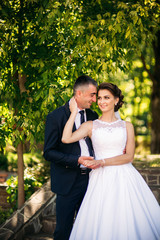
58, 111
91, 113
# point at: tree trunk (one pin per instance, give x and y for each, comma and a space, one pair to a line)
155, 130
155, 100
155, 96
21, 197
21, 82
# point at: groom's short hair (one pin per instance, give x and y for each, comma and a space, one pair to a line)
83, 80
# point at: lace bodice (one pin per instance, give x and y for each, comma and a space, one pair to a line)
108, 139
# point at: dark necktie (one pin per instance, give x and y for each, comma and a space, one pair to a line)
87, 139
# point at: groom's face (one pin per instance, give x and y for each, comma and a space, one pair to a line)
86, 96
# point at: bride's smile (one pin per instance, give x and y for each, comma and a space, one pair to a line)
106, 101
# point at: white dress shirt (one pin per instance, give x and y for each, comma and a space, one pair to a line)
82, 142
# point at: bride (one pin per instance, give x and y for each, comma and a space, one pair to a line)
118, 204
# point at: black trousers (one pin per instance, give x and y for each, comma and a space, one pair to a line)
67, 206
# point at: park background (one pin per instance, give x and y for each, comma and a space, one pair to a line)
45, 46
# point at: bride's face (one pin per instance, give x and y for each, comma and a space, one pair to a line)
106, 100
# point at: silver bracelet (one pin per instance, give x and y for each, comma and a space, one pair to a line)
103, 162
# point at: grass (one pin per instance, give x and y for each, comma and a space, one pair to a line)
30, 160
147, 161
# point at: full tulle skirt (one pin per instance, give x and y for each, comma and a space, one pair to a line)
118, 205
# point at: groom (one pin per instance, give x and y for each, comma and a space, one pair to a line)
69, 178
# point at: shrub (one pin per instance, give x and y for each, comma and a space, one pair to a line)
4, 214
31, 184
3, 162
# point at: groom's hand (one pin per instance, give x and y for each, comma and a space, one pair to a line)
82, 159
124, 151
88, 162
93, 164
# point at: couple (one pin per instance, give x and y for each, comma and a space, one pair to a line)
118, 204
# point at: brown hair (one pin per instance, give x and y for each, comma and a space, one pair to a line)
84, 80
115, 91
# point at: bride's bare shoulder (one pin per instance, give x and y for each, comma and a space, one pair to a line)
88, 127
129, 126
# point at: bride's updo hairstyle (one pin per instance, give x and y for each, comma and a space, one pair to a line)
116, 92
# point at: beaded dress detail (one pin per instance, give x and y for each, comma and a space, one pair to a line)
118, 204
101, 138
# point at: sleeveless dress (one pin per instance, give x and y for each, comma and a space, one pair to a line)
118, 204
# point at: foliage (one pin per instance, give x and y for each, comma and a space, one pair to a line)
57, 41
4, 214
4, 129
137, 94
143, 144
3, 162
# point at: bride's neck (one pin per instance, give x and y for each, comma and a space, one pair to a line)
108, 117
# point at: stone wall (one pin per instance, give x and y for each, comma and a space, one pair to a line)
152, 177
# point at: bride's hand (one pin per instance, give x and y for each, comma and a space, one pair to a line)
73, 105
93, 164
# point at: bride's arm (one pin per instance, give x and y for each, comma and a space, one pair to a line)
84, 130
130, 149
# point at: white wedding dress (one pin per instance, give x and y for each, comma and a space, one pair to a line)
118, 204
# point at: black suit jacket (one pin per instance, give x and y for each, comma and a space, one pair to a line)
63, 157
